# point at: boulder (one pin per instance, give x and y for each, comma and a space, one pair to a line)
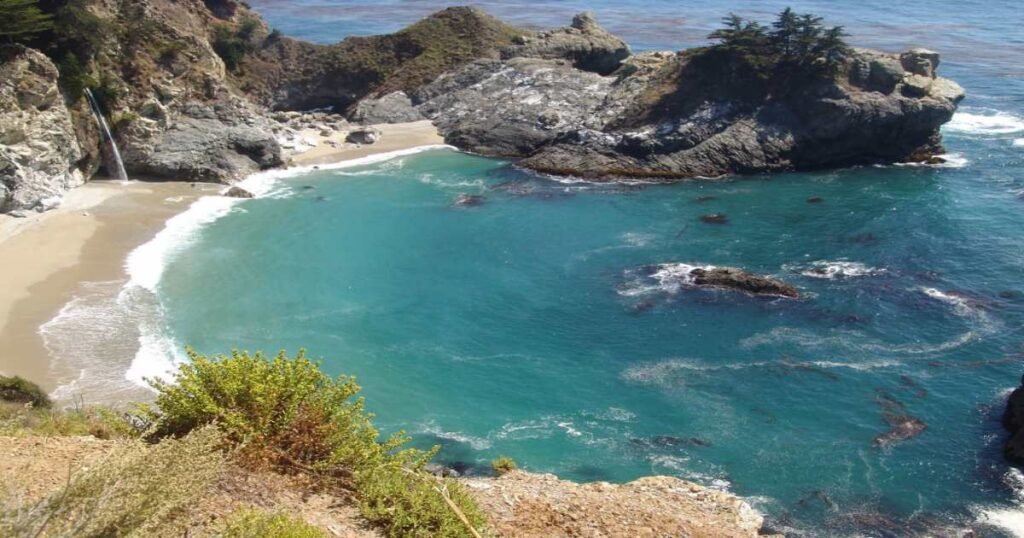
39, 151
394, 107
585, 43
238, 192
920, 61
469, 200
365, 135
1013, 422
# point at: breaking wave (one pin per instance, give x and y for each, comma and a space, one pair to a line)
989, 123
832, 270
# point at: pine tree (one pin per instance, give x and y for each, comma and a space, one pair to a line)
22, 19
786, 29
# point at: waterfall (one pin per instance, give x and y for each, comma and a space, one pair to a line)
102, 123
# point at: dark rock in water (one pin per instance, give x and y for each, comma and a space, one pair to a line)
670, 441
702, 199
902, 426
321, 198
863, 239
815, 200
1009, 294
1013, 422
238, 192
909, 382
715, 218
469, 200
740, 280
308, 187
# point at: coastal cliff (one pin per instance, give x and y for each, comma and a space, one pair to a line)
198, 91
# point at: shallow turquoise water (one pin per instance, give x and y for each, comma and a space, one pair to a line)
522, 327
527, 327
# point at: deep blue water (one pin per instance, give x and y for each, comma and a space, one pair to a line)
523, 327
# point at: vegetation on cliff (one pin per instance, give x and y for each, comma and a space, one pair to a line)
275, 414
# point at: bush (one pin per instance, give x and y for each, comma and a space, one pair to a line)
98, 422
503, 465
287, 414
411, 503
132, 492
257, 524
18, 390
282, 412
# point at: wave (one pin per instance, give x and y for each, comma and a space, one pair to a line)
1018, 143
673, 372
668, 278
432, 428
1009, 519
989, 123
832, 270
849, 341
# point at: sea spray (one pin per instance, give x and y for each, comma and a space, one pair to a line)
102, 123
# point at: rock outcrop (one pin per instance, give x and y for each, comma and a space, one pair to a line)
1013, 422
39, 151
666, 116
586, 44
540, 505
732, 278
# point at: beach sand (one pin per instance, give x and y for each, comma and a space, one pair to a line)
45, 259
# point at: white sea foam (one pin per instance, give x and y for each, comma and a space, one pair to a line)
145, 265
1009, 519
157, 353
673, 372
986, 122
849, 341
433, 428
669, 278
832, 270
1018, 143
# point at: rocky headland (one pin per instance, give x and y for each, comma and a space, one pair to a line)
204, 90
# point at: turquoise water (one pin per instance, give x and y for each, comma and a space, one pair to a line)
528, 326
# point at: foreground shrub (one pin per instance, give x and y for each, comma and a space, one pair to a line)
503, 465
18, 390
284, 413
257, 524
411, 503
132, 492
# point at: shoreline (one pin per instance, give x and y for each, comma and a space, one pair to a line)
86, 241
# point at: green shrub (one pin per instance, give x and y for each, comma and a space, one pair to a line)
411, 503
23, 19
503, 464
134, 491
99, 422
257, 524
283, 412
287, 414
18, 390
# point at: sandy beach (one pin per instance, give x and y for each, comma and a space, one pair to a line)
48, 257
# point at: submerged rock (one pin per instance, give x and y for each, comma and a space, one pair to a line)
715, 218
469, 200
902, 426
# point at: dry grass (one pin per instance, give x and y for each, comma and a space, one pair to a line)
137, 490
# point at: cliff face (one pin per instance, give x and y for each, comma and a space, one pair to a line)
188, 86
39, 151
671, 116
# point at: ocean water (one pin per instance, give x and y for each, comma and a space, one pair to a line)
543, 323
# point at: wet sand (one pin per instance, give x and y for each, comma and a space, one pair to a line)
45, 259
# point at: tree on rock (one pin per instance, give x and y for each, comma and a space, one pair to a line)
22, 19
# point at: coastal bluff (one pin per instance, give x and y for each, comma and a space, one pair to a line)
204, 90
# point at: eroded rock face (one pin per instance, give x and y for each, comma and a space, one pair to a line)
220, 142
38, 148
394, 107
740, 280
540, 505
